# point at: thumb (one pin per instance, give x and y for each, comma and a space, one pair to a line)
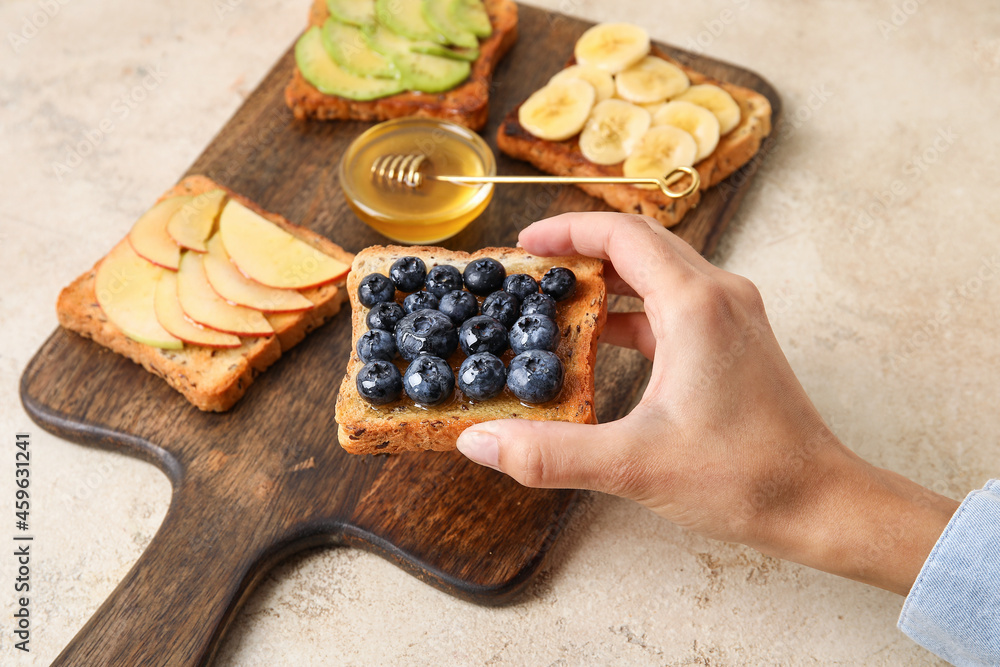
554, 455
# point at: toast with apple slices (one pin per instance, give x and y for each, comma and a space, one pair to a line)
564, 158
212, 378
466, 104
404, 426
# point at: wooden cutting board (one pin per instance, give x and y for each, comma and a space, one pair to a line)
267, 479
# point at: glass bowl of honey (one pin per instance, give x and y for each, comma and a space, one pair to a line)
433, 211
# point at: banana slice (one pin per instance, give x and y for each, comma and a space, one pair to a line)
602, 82
612, 131
717, 101
612, 46
660, 150
651, 80
697, 121
653, 108
558, 110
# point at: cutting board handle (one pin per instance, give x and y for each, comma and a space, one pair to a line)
177, 600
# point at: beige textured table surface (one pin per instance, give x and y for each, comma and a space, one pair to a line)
872, 232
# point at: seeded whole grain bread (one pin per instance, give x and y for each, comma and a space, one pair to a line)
564, 158
467, 104
212, 379
403, 426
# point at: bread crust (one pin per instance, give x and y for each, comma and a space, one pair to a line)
466, 104
403, 426
211, 379
563, 158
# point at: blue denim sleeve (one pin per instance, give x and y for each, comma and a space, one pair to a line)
953, 609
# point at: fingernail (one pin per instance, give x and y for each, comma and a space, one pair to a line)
483, 448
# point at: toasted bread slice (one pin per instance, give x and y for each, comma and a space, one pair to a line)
403, 426
564, 158
212, 379
467, 104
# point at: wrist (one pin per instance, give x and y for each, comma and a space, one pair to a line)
862, 522
904, 521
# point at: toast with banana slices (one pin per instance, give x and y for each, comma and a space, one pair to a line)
624, 108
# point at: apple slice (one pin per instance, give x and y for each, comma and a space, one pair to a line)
125, 285
171, 316
236, 288
149, 237
266, 253
192, 224
200, 302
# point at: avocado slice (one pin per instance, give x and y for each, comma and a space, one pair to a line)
355, 12
438, 14
432, 74
430, 48
329, 78
471, 15
418, 71
347, 45
383, 40
404, 17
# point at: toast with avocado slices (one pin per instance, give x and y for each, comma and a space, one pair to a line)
375, 60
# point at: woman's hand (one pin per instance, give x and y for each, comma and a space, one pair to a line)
725, 441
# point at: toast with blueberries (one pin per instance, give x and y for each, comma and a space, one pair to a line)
446, 339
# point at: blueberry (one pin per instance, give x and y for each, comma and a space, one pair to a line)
520, 285
459, 305
559, 283
379, 382
376, 344
375, 288
482, 376
385, 316
408, 273
539, 304
534, 332
429, 380
503, 307
484, 275
482, 334
420, 301
535, 376
443, 279
426, 332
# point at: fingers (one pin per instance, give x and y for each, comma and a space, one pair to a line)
553, 455
615, 283
569, 233
685, 250
640, 253
630, 330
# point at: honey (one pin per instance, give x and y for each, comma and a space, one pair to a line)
436, 210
